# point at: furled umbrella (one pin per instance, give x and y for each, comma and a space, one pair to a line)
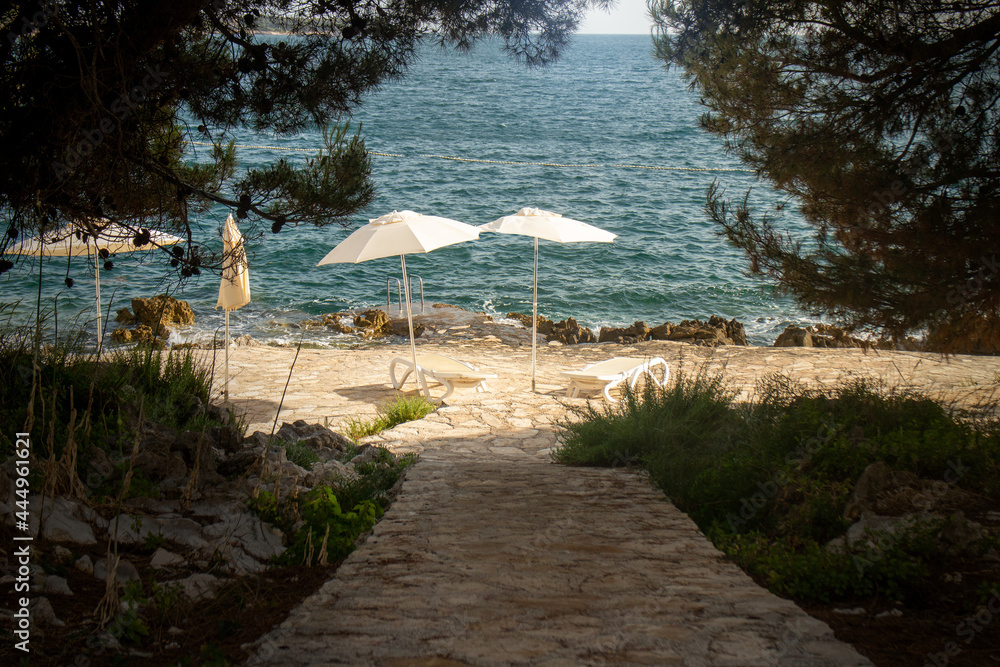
75, 239
546, 225
400, 233
234, 291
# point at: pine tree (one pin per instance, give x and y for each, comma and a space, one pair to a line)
97, 98
881, 119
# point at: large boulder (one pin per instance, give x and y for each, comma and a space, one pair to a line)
543, 324
967, 334
162, 309
315, 436
142, 334
716, 331
373, 323
569, 332
826, 336
636, 333
794, 336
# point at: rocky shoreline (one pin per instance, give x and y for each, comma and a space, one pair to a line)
151, 318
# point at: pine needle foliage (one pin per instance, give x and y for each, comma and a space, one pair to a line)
881, 120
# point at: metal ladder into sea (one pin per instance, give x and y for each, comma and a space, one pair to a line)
399, 294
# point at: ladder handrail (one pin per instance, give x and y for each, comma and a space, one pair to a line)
399, 292
388, 293
421, 291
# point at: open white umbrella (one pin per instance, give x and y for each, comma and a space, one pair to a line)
552, 226
234, 291
74, 240
400, 233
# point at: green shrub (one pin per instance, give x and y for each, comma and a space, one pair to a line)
324, 520
319, 513
374, 480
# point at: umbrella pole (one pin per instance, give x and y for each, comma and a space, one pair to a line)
225, 391
534, 319
417, 375
97, 282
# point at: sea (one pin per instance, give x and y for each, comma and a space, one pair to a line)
606, 135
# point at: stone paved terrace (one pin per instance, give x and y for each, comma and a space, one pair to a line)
494, 555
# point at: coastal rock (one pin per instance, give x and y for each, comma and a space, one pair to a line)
198, 586
246, 341
336, 325
247, 532
52, 584
966, 334
161, 468
162, 309
402, 328
42, 613
99, 467
373, 324
64, 520
328, 470
84, 564
544, 325
316, 436
142, 334
716, 331
794, 336
125, 572
569, 332
636, 333
332, 321
241, 462
887, 492
825, 336
163, 559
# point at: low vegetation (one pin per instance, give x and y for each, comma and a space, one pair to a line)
74, 401
325, 522
398, 411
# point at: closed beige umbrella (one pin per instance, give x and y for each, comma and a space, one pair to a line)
234, 291
74, 240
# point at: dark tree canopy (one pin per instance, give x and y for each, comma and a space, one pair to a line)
94, 95
881, 118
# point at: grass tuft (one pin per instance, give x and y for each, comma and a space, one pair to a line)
400, 410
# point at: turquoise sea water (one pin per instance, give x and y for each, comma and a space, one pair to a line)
608, 102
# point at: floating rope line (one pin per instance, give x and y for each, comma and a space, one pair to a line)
484, 161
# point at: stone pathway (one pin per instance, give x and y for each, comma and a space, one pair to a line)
494, 555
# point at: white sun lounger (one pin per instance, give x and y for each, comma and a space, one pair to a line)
606, 375
451, 373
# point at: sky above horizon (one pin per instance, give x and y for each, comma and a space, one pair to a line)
627, 17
